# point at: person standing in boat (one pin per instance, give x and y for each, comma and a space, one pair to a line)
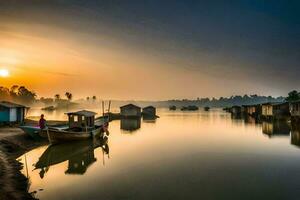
42, 122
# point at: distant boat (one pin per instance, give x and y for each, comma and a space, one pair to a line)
49, 108
189, 108
206, 108
172, 108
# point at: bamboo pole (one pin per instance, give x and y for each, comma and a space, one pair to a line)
102, 108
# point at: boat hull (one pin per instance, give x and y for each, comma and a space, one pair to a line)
32, 131
60, 136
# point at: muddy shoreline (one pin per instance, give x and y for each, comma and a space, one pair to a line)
14, 143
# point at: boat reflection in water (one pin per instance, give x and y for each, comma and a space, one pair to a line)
295, 135
128, 124
79, 154
276, 128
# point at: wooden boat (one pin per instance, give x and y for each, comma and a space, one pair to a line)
172, 108
34, 131
206, 108
189, 108
71, 134
49, 108
81, 126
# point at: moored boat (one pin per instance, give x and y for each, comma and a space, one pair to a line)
59, 136
32, 131
189, 108
81, 126
172, 108
206, 108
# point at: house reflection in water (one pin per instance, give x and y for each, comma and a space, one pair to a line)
149, 119
130, 124
276, 128
80, 155
295, 135
250, 120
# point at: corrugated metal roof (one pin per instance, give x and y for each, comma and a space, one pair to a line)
8, 104
130, 105
274, 103
85, 113
149, 107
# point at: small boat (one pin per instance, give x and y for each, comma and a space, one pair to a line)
32, 131
71, 134
81, 126
189, 108
172, 108
49, 108
206, 108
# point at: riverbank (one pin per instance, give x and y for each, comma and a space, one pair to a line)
13, 143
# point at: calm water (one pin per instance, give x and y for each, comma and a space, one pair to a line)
181, 155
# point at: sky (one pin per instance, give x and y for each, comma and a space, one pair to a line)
151, 49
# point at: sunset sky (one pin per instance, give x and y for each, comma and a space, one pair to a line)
151, 49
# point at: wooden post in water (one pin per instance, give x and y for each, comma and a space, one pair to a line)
102, 108
109, 109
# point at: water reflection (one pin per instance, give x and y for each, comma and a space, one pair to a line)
130, 124
80, 155
276, 128
188, 150
295, 135
251, 120
236, 116
149, 119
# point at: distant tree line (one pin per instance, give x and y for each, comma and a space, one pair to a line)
18, 94
227, 101
57, 99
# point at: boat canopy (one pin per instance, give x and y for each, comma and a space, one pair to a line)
81, 119
84, 113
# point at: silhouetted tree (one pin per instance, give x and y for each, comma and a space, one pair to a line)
293, 96
69, 96
13, 91
25, 95
57, 97
4, 93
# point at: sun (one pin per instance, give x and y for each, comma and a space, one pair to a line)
4, 73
